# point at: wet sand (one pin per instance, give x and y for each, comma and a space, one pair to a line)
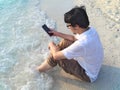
105, 18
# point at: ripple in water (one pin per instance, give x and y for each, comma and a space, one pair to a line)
21, 45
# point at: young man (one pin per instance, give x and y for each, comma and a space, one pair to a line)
80, 54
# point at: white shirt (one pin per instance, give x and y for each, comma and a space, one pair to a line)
87, 51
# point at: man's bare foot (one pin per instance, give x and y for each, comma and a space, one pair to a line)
44, 67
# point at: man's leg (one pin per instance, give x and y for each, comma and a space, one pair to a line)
72, 67
47, 64
50, 62
44, 67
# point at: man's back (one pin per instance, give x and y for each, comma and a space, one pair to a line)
93, 53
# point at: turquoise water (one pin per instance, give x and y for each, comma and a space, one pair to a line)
21, 45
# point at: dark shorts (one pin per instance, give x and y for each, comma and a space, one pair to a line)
69, 66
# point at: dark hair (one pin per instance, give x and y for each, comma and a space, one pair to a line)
78, 16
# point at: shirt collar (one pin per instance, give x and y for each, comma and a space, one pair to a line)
83, 35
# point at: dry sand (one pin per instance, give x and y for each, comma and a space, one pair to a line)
104, 15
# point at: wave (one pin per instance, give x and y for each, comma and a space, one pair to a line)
21, 44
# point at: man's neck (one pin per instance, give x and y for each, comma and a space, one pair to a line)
82, 30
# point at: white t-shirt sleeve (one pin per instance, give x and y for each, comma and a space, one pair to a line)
73, 51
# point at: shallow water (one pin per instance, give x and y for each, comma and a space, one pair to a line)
22, 45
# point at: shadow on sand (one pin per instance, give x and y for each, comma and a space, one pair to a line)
108, 79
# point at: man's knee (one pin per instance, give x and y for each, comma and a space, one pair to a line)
64, 43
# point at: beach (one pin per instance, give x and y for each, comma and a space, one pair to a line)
104, 16
24, 44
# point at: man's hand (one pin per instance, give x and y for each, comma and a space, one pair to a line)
55, 33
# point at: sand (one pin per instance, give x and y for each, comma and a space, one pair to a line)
104, 15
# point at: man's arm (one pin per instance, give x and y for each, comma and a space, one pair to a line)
62, 35
57, 55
